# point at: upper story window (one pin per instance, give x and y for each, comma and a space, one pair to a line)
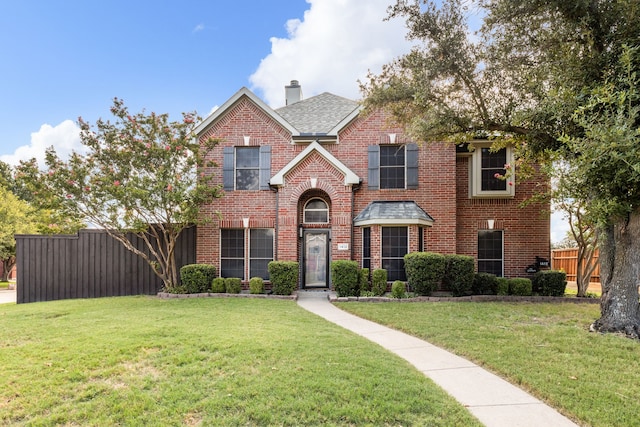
488, 169
393, 167
247, 168
316, 211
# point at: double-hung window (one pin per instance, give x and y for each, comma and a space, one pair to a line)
393, 166
234, 257
491, 172
260, 252
395, 245
490, 252
246, 168
232, 252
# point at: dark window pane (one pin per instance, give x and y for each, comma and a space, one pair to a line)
490, 252
316, 217
366, 248
392, 166
492, 164
232, 253
316, 211
261, 243
260, 252
232, 243
394, 248
247, 179
247, 157
232, 268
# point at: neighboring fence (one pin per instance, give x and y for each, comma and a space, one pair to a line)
567, 260
90, 264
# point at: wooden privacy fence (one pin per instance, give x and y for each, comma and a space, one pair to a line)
567, 260
90, 264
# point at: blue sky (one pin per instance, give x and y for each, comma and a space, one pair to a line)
62, 59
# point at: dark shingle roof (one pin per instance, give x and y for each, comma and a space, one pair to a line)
393, 212
318, 114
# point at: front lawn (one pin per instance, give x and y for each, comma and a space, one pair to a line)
145, 361
545, 348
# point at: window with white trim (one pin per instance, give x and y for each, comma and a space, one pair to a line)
316, 211
491, 173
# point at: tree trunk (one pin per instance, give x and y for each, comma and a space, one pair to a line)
620, 277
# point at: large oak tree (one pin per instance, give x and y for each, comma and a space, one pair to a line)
557, 78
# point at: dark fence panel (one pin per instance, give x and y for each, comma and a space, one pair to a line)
90, 264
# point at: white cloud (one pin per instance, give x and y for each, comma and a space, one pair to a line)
335, 44
559, 227
64, 137
198, 28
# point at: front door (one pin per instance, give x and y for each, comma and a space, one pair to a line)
316, 259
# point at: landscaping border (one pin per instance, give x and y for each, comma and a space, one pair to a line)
472, 298
165, 295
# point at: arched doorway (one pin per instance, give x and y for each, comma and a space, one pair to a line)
315, 232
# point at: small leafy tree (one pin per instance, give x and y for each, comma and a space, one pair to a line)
15, 218
142, 176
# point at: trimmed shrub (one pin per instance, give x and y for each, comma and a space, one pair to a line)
551, 283
284, 277
233, 285
458, 276
345, 277
256, 285
520, 286
503, 286
425, 271
217, 286
398, 289
363, 282
196, 278
485, 284
379, 282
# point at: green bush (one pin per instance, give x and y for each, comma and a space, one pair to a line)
550, 283
503, 286
196, 278
398, 289
284, 277
256, 285
379, 282
425, 271
233, 285
217, 285
345, 277
520, 286
459, 272
363, 282
485, 284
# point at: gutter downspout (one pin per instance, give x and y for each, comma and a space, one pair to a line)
354, 188
275, 190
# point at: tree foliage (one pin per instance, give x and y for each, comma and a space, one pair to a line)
556, 78
15, 218
142, 174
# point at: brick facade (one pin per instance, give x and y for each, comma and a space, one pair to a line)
442, 192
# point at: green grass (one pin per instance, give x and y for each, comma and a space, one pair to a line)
545, 348
145, 361
4, 285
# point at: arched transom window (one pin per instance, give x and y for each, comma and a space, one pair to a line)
316, 211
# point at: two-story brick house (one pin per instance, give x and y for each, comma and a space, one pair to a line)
316, 181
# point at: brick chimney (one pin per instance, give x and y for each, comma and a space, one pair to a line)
293, 93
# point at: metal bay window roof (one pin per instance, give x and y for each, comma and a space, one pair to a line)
393, 213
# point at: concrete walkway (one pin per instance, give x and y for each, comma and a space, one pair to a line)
494, 401
7, 296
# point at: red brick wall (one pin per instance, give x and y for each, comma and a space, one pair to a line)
442, 192
526, 229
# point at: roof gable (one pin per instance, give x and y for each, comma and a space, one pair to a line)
244, 92
350, 178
